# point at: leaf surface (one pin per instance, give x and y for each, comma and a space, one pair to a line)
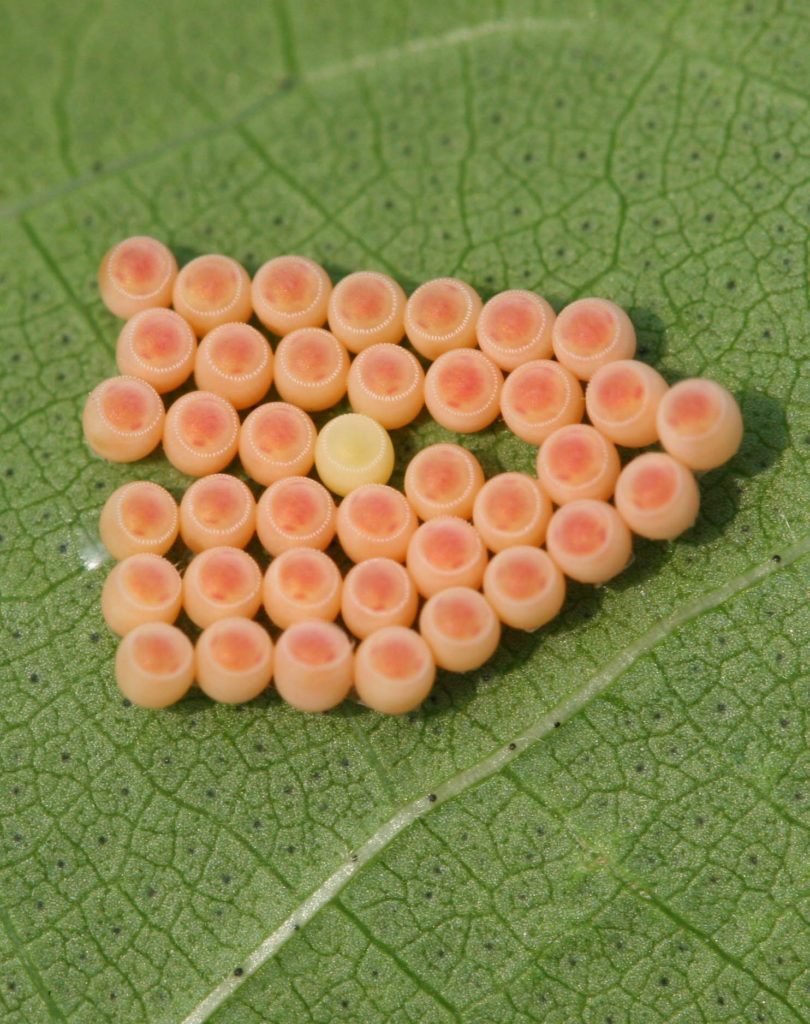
621, 819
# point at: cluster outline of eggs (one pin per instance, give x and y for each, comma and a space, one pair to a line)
486, 552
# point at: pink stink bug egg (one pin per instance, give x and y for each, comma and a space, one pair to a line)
539, 397
235, 361
515, 327
591, 332
375, 520
461, 628
394, 670
378, 592
295, 512
290, 292
234, 660
622, 401
158, 346
387, 383
139, 516
212, 290
657, 496
277, 440
577, 462
443, 480
463, 390
700, 423
217, 510
123, 419
367, 308
511, 509
137, 273
302, 583
221, 582
441, 315
201, 433
446, 552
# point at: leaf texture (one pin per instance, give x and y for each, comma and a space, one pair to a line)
621, 818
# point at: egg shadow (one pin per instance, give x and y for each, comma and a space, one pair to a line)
650, 334
765, 437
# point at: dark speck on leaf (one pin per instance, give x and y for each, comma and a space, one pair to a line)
777, 559
557, 725
432, 798
513, 746
238, 972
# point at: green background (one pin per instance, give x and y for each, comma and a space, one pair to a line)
649, 859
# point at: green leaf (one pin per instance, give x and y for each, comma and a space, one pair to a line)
621, 823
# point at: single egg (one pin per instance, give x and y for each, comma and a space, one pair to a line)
217, 510
700, 423
201, 433
622, 400
311, 367
302, 583
212, 290
158, 346
394, 670
525, 587
367, 308
657, 496
277, 440
123, 419
577, 461
539, 397
219, 583
441, 315
375, 521
588, 540
353, 450
446, 552
295, 512
139, 516
137, 273
141, 588
234, 660
154, 665
235, 361
461, 629
515, 327
463, 390
511, 509
378, 592
591, 332
387, 383
314, 665
443, 480
290, 292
